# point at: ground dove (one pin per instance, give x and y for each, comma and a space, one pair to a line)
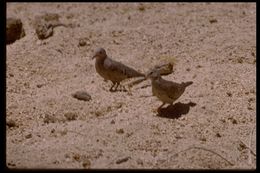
112, 70
166, 91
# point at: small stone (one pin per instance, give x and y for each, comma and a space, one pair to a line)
76, 156
120, 131
129, 134
82, 95
252, 91
213, 20
86, 163
141, 8
249, 108
10, 123
179, 136
82, 42
139, 162
203, 139
55, 162
49, 119
241, 146
112, 122
250, 99
218, 135
119, 161
234, 121
188, 69
229, 94
28, 136
39, 85
70, 116
66, 155
240, 60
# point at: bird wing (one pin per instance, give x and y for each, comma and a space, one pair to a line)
120, 68
171, 88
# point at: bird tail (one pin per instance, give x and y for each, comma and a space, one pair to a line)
185, 84
133, 73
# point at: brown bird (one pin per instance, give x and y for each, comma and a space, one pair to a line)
166, 91
112, 70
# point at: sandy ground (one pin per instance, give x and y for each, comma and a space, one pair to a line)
213, 44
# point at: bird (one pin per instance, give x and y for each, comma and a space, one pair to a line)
112, 70
164, 90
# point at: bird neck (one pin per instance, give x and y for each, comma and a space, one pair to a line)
156, 79
100, 59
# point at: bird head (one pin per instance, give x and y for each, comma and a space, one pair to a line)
153, 74
99, 52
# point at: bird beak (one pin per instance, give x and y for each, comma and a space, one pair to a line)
93, 57
147, 75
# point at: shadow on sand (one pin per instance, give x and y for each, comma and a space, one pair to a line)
175, 111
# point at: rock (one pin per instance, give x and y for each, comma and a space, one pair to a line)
14, 30
82, 42
86, 163
39, 85
229, 94
11, 123
70, 116
120, 131
213, 21
82, 95
119, 161
218, 135
49, 119
28, 136
139, 162
141, 8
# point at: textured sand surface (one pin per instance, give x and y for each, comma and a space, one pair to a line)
212, 44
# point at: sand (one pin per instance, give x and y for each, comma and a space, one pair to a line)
211, 126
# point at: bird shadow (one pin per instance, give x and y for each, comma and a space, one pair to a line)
175, 111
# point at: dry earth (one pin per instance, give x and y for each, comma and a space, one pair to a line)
213, 45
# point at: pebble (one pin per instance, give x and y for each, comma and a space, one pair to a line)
119, 161
81, 95
11, 123
213, 20
28, 136
120, 131
229, 94
139, 162
70, 116
86, 163
82, 42
218, 135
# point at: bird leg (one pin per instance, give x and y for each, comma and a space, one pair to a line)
111, 88
117, 84
123, 88
161, 106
